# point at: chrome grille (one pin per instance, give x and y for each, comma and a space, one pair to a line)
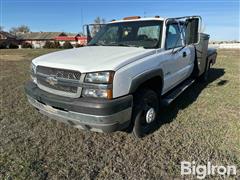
59, 73
58, 87
66, 82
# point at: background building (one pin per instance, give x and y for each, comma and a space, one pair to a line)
74, 39
39, 39
7, 38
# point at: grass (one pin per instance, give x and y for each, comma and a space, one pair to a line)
202, 125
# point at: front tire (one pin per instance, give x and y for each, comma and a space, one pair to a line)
145, 112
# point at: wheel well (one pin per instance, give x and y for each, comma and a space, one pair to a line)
154, 83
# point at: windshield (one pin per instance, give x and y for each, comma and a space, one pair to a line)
145, 34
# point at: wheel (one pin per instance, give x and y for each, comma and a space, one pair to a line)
145, 111
204, 77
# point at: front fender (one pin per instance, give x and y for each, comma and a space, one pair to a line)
145, 76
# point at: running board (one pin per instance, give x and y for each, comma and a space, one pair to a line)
169, 98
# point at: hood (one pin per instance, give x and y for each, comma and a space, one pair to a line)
93, 58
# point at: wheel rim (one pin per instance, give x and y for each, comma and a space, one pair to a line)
150, 115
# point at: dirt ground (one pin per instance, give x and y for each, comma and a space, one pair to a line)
202, 125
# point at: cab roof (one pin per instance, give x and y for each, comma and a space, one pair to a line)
157, 18
137, 18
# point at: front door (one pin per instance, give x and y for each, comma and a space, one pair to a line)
176, 59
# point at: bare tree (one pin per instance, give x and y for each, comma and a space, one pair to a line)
96, 27
20, 29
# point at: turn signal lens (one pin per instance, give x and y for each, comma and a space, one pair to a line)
97, 93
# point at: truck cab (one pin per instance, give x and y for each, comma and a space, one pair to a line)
122, 77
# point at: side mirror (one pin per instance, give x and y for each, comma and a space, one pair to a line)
192, 30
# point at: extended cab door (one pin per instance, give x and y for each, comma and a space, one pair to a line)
178, 64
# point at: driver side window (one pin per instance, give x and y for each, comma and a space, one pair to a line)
173, 37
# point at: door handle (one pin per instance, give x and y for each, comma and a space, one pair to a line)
184, 54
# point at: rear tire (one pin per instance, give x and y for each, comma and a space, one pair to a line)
145, 112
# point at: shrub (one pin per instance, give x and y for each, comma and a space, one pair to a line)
67, 45
48, 44
51, 45
3, 45
57, 44
13, 45
26, 45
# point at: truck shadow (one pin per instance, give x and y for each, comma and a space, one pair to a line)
169, 113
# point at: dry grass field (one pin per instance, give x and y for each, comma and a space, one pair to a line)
202, 125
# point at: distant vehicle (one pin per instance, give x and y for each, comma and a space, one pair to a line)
129, 68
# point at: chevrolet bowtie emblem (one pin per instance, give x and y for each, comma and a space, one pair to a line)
51, 80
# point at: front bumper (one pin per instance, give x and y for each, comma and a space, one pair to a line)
84, 113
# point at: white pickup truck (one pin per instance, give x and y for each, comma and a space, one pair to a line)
120, 79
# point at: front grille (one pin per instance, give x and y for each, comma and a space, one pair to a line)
58, 79
58, 87
59, 73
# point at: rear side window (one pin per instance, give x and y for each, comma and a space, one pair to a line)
173, 38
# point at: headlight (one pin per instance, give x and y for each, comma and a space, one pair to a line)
99, 77
33, 72
98, 85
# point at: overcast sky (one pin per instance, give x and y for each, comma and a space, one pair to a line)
220, 18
